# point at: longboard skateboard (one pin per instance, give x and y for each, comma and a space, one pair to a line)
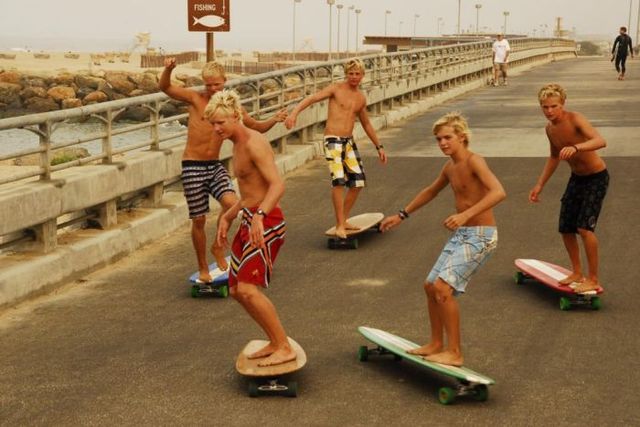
266, 379
470, 383
549, 275
219, 285
364, 222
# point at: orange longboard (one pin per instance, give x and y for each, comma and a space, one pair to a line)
549, 275
364, 222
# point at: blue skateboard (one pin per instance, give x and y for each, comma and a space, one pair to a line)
218, 287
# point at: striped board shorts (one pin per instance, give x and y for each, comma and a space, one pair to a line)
201, 178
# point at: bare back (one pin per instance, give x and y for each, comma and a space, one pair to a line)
345, 104
571, 130
202, 142
468, 187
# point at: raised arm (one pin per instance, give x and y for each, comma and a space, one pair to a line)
322, 94
175, 92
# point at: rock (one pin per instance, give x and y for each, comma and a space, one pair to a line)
34, 81
148, 83
192, 81
11, 77
33, 91
135, 114
136, 92
59, 93
41, 105
94, 97
82, 92
9, 92
119, 81
70, 103
64, 79
168, 110
57, 156
91, 82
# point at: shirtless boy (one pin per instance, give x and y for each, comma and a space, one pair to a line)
202, 171
574, 139
475, 236
346, 103
261, 233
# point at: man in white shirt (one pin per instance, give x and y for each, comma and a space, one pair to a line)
501, 50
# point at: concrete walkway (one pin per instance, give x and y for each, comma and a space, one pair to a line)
127, 345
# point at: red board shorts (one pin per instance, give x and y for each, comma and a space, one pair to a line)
254, 265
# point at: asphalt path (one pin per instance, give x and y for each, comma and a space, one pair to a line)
127, 345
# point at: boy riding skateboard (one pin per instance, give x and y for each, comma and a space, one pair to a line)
261, 233
346, 103
574, 139
475, 236
202, 172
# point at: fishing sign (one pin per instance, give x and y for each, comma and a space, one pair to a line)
208, 15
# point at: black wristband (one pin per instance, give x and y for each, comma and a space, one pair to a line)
576, 147
403, 214
378, 147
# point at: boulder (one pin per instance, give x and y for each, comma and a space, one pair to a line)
136, 92
192, 81
34, 81
84, 81
94, 97
40, 105
11, 77
119, 81
168, 110
70, 103
134, 114
33, 91
9, 92
64, 79
148, 83
59, 93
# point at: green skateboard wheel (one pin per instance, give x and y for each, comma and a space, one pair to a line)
446, 395
363, 353
481, 393
194, 292
596, 303
519, 278
292, 389
565, 303
253, 389
224, 291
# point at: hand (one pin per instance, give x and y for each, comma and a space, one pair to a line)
170, 63
567, 152
256, 234
221, 234
535, 193
612, 57
389, 222
382, 156
455, 221
281, 115
290, 121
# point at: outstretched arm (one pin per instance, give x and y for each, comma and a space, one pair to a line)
265, 125
325, 93
175, 92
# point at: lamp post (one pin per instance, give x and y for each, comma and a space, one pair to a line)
350, 8
386, 13
505, 13
440, 20
293, 45
330, 3
478, 7
415, 20
357, 22
458, 17
339, 7
400, 28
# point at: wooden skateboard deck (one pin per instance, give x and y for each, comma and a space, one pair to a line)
265, 379
218, 287
469, 382
549, 275
364, 222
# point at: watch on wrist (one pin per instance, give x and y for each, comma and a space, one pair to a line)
261, 212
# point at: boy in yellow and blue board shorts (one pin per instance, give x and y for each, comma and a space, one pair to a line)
475, 236
346, 104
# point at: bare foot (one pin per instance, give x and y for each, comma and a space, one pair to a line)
265, 351
205, 277
446, 358
279, 357
341, 233
426, 350
349, 226
218, 254
587, 286
573, 277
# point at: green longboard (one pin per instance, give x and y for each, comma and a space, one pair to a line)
469, 382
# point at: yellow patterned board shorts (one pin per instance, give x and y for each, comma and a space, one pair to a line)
344, 161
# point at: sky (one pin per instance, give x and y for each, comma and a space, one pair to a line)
267, 25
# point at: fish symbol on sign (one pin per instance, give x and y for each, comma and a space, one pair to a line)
210, 21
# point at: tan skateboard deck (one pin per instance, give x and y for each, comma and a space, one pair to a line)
364, 222
265, 378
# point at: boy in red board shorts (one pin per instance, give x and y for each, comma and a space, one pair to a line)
475, 236
261, 233
574, 139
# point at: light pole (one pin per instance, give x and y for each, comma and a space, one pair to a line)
478, 7
350, 8
458, 17
440, 20
330, 3
293, 46
386, 13
505, 13
415, 20
400, 28
339, 7
357, 22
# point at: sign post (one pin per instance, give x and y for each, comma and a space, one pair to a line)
208, 16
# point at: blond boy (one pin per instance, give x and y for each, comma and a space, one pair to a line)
346, 104
475, 236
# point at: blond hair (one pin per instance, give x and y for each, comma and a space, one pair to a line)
455, 120
354, 63
552, 89
213, 69
225, 101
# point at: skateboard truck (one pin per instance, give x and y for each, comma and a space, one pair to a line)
271, 385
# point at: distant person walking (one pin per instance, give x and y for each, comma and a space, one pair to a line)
501, 50
622, 45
